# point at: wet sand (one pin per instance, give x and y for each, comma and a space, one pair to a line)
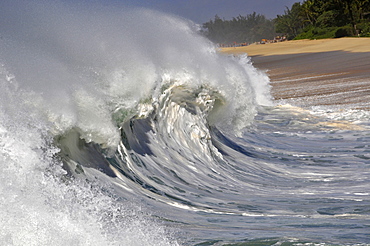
309, 73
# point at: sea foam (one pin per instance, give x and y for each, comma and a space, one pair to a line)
83, 62
71, 66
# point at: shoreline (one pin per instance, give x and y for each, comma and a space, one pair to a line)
302, 46
306, 73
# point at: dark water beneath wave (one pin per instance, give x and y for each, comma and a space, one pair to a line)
128, 128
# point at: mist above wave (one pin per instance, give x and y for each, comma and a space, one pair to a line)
77, 63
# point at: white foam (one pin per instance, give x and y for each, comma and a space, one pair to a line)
39, 207
69, 66
116, 57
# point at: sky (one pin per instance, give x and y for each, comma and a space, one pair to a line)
201, 11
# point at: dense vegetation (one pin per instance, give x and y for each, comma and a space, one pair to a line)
242, 29
325, 19
309, 19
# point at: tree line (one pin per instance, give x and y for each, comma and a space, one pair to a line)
310, 19
241, 29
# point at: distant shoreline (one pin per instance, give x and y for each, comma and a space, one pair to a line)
305, 73
302, 46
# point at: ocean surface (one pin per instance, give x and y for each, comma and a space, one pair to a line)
123, 126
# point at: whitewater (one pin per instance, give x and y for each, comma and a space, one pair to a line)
122, 126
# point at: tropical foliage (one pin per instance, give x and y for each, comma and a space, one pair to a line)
242, 29
325, 19
309, 19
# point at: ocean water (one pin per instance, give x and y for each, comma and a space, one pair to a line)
123, 126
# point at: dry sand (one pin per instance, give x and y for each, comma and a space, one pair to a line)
303, 46
308, 73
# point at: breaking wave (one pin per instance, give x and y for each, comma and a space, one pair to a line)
80, 88
122, 126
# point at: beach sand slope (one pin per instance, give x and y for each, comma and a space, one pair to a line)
308, 73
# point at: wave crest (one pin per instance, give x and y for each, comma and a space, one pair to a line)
109, 61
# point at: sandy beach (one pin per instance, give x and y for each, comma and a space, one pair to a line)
309, 73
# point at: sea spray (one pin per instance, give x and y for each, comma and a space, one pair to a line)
115, 57
41, 205
90, 69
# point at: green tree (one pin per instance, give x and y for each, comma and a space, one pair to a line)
325, 18
291, 22
241, 29
309, 19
